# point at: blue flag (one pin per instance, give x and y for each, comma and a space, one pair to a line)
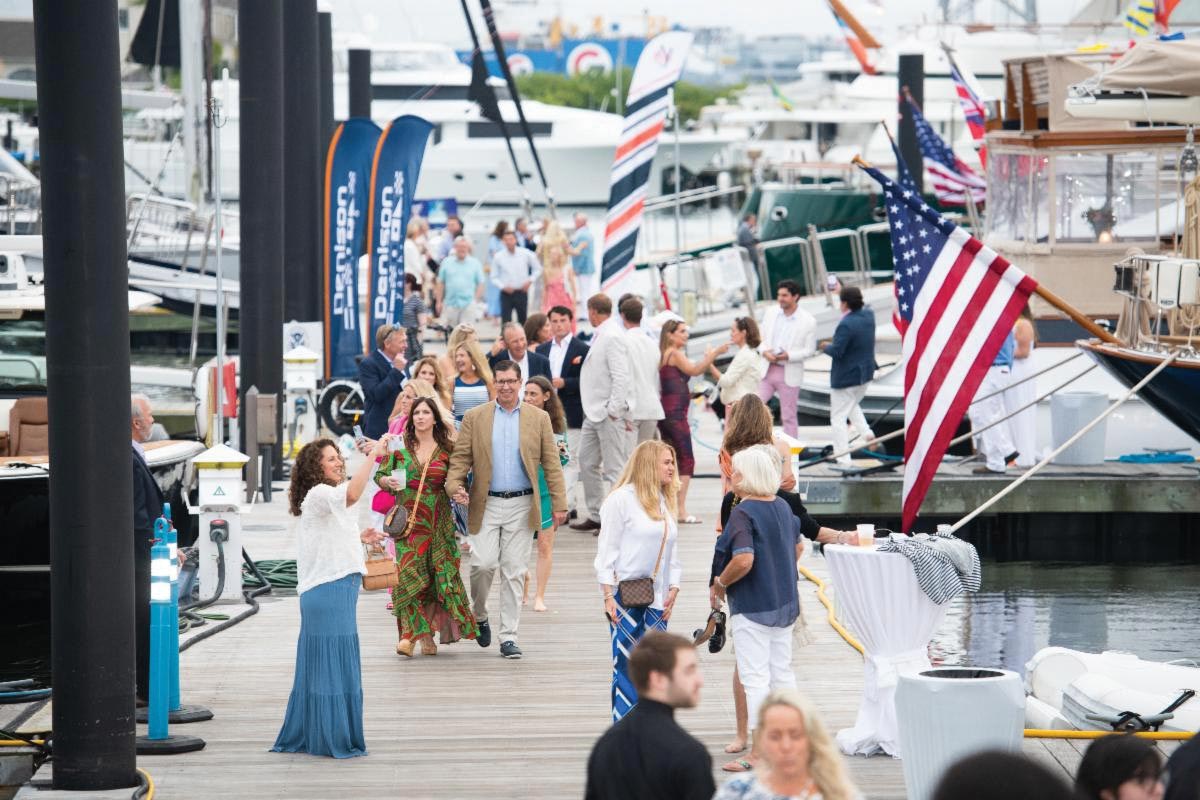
347, 178
394, 173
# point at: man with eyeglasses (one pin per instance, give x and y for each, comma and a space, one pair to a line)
504, 443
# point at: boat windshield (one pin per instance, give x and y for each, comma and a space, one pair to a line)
22, 355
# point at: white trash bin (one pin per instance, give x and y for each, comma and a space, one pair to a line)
1069, 412
947, 713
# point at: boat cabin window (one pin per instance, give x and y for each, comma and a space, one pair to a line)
788, 130
411, 91
22, 353
491, 130
1081, 197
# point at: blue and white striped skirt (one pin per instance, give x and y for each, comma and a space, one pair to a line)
631, 626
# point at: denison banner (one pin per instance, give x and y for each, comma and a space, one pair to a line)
394, 173
347, 181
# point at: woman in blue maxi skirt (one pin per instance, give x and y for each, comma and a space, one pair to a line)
325, 710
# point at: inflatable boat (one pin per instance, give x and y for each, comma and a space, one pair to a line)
1071, 690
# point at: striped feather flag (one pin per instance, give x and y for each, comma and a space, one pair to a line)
972, 106
659, 66
958, 301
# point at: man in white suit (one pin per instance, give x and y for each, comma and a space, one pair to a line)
607, 438
789, 335
645, 391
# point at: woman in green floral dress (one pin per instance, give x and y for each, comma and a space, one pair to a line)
430, 597
540, 392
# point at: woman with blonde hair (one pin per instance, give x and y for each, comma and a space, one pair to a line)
636, 547
473, 383
427, 369
559, 286
800, 757
461, 333
539, 392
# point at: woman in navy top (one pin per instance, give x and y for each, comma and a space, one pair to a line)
755, 563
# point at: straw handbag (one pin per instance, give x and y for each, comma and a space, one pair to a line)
381, 569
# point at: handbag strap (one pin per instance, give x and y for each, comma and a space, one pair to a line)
420, 485
661, 547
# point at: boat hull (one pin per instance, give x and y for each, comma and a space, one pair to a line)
1174, 393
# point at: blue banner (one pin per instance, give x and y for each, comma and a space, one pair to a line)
436, 210
394, 174
347, 184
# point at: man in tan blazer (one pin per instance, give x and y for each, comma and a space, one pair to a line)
503, 443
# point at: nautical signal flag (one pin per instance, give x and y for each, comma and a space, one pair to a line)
958, 300
952, 180
972, 106
854, 40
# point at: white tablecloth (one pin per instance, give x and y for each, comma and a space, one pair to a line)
878, 599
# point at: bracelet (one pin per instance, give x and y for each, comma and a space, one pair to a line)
608, 597
720, 582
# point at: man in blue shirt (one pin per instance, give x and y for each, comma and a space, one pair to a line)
503, 444
583, 257
459, 284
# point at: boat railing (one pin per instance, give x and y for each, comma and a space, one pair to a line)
22, 205
1161, 309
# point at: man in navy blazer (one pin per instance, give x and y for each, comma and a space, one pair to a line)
516, 349
381, 376
853, 354
566, 354
147, 508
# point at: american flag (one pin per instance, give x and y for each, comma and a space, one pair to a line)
972, 108
952, 179
958, 300
905, 179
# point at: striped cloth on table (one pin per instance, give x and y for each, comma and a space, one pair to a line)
945, 565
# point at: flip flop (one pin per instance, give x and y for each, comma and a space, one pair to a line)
738, 765
690, 520
729, 748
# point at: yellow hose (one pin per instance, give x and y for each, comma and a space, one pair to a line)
149, 784
833, 621
1161, 736
1030, 733
20, 743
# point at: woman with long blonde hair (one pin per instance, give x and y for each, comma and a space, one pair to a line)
800, 757
638, 533
427, 369
461, 333
473, 383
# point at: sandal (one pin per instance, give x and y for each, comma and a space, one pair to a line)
428, 646
734, 748
405, 648
738, 765
690, 520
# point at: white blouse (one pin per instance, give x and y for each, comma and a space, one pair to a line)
742, 376
629, 541
327, 543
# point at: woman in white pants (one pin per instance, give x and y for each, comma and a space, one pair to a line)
755, 563
1023, 426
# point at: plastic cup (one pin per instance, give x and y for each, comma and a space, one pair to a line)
866, 535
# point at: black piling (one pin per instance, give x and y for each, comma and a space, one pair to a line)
87, 358
261, 176
911, 74
325, 57
360, 83
302, 163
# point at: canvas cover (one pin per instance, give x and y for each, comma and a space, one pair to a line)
1157, 68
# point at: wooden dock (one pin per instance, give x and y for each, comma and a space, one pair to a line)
467, 723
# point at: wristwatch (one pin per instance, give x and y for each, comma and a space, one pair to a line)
717, 580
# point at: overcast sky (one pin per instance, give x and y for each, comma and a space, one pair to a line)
441, 20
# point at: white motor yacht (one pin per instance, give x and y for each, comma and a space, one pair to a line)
466, 157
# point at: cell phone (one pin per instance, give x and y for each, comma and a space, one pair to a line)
395, 444
358, 434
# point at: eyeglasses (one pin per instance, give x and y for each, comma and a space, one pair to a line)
507, 382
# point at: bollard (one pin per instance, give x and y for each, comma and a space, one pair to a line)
164, 531
158, 740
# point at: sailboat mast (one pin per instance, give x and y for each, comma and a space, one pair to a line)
489, 19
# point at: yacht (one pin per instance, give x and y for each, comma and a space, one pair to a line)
466, 157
